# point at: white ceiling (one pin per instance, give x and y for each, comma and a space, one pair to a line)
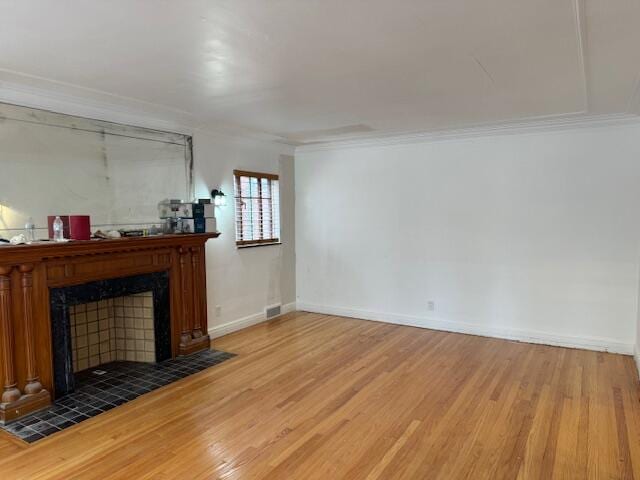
312, 70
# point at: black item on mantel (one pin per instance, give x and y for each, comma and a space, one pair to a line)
132, 233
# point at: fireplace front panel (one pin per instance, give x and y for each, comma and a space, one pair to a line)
29, 274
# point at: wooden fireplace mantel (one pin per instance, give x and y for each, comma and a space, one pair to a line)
28, 271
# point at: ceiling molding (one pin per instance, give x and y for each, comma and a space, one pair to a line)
46, 99
551, 124
165, 120
99, 110
24, 80
244, 140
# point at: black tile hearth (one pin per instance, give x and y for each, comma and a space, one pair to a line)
107, 386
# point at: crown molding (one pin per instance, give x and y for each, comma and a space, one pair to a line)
244, 139
112, 108
548, 125
142, 115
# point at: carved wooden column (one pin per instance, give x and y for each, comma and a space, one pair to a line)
202, 285
197, 292
33, 397
193, 335
33, 385
10, 391
186, 330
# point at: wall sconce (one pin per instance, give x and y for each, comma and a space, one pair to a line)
219, 198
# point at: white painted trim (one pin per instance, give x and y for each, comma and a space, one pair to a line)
142, 115
528, 336
235, 325
556, 123
636, 355
97, 105
289, 307
36, 92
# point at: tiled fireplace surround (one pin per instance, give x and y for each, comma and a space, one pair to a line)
121, 319
115, 329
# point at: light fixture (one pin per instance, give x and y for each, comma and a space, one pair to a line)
219, 198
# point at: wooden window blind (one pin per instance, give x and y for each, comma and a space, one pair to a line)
257, 202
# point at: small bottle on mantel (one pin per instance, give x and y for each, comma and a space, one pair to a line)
58, 230
30, 231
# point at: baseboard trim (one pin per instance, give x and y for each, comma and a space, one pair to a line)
235, 325
289, 307
528, 336
636, 356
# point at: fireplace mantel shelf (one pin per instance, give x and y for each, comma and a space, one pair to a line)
28, 272
44, 250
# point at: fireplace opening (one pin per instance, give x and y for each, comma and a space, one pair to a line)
117, 320
118, 329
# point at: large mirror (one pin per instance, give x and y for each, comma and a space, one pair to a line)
55, 164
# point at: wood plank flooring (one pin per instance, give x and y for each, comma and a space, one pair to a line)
319, 397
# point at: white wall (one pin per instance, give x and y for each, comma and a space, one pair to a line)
529, 236
244, 281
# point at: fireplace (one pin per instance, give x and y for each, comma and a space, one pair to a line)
48, 288
96, 323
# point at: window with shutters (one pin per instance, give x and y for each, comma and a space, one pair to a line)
257, 201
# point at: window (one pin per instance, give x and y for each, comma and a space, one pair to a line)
257, 208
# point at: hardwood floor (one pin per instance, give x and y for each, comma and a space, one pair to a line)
312, 396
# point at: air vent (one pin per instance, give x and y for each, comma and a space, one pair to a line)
273, 311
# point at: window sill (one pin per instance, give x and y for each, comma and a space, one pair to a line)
254, 245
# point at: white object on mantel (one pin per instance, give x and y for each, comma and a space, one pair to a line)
113, 234
18, 239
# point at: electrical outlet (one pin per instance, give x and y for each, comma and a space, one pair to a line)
218, 310
431, 305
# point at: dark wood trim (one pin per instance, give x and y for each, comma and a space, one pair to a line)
33, 384
198, 294
202, 290
195, 345
51, 250
244, 173
242, 247
246, 243
186, 335
10, 392
25, 405
238, 212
